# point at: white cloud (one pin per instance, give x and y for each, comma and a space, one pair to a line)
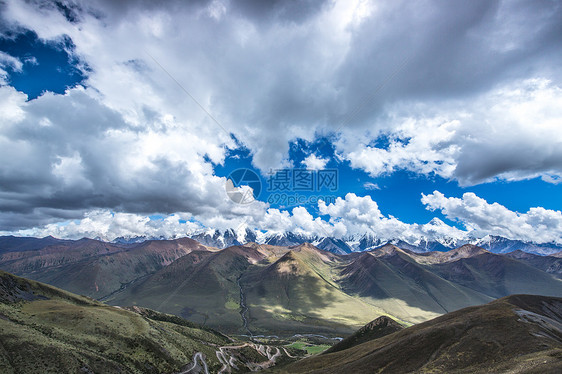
107, 225
315, 163
107, 164
271, 82
371, 186
9, 61
420, 146
481, 218
352, 215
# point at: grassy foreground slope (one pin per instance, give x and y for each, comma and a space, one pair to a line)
516, 334
47, 330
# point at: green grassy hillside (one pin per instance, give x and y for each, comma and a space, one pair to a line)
303, 289
516, 334
47, 330
272, 290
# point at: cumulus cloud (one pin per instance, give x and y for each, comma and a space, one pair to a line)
354, 216
10, 63
348, 217
481, 218
419, 146
512, 132
107, 225
91, 158
313, 162
308, 67
7, 61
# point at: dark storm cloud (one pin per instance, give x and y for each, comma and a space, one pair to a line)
484, 162
256, 10
279, 10
451, 49
66, 164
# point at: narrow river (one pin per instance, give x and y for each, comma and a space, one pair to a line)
243, 309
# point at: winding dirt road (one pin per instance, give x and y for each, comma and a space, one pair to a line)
194, 366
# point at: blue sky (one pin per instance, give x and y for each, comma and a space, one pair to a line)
124, 120
399, 193
47, 66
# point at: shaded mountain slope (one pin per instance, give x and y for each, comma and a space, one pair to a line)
281, 290
521, 333
375, 329
496, 275
286, 290
44, 329
393, 280
549, 264
20, 244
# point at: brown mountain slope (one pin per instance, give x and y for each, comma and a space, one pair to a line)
94, 268
496, 275
549, 264
520, 334
19, 244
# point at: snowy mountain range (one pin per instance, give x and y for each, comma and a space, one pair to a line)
353, 243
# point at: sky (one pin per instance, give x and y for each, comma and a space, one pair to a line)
397, 119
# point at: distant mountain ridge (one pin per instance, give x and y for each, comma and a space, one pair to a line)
347, 244
365, 242
353, 243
